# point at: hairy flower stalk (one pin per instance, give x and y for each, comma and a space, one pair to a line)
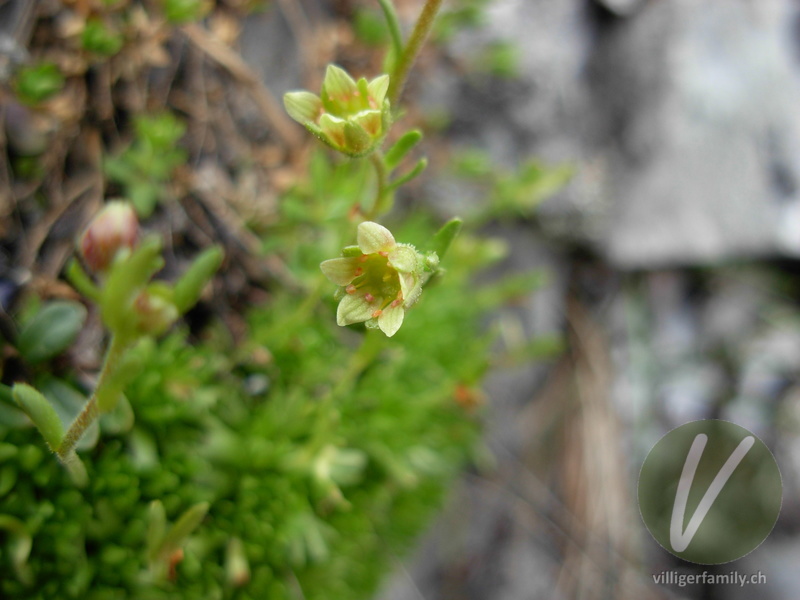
351, 116
380, 279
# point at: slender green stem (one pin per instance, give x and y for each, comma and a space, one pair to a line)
383, 194
76, 469
409, 55
90, 410
394, 27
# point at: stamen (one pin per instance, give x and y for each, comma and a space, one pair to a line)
377, 314
350, 289
369, 298
396, 303
363, 258
359, 271
384, 254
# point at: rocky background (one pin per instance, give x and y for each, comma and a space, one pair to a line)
673, 256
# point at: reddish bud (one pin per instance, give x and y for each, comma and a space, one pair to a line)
114, 228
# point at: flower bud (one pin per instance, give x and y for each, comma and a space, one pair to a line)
113, 229
155, 311
350, 116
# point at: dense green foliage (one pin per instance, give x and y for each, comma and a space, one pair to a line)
316, 446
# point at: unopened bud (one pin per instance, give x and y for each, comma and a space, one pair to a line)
155, 311
114, 228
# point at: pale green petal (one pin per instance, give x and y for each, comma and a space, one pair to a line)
353, 309
357, 141
340, 271
303, 107
391, 319
403, 258
374, 238
411, 288
333, 129
378, 88
338, 85
371, 121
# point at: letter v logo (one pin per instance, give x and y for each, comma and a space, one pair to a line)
679, 539
710, 491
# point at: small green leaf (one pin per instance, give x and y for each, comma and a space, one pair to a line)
51, 330
37, 83
401, 148
126, 368
81, 281
189, 287
444, 237
182, 11
119, 419
125, 280
41, 412
68, 402
156, 528
97, 37
183, 528
20, 546
237, 568
421, 165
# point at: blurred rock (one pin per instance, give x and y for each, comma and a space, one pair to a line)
681, 116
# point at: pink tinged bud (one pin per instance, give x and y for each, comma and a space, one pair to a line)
154, 312
113, 229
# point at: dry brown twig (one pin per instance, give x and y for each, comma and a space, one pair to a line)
235, 65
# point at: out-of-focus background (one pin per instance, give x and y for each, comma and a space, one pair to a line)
672, 254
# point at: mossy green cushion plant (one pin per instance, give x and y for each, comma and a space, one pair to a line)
300, 460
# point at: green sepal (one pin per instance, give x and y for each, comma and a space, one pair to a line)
444, 237
351, 251
189, 287
125, 280
401, 148
41, 412
357, 141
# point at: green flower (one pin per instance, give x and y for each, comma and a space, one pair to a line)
350, 116
380, 279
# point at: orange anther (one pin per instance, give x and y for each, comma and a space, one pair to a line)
377, 314
369, 298
350, 289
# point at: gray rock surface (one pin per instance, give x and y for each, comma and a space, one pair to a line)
680, 115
